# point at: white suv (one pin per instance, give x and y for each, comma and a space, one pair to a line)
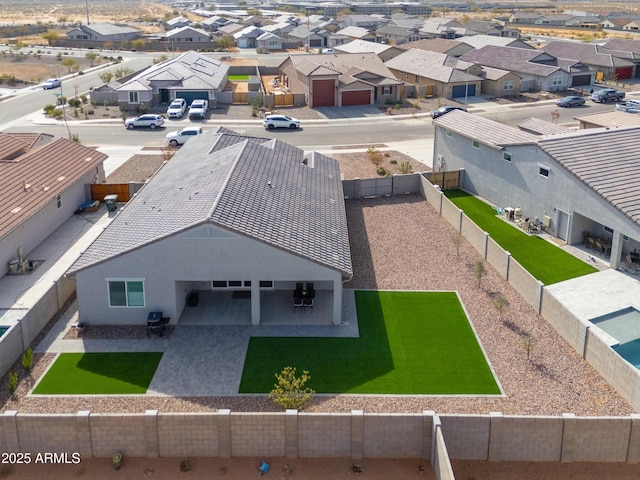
178, 138
177, 108
280, 121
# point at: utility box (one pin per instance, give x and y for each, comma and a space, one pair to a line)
111, 202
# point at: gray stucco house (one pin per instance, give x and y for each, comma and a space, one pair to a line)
585, 181
104, 32
240, 220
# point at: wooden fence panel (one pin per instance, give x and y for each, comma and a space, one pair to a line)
446, 180
241, 97
283, 100
99, 190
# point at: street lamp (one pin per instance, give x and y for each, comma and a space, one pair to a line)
62, 100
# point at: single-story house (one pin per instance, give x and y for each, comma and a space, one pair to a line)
357, 33
188, 34
479, 41
610, 119
269, 41
239, 222
453, 48
537, 69
584, 181
493, 29
370, 22
177, 22
524, 18
556, 20
385, 52
437, 74
213, 23
340, 80
499, 83
632, 26
104, 32
612, 64
247, 37
190, 76
304, 35
397, 35
447, 28
43, 180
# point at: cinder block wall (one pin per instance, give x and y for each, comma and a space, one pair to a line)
605, 439
473, 234
256, 434
402, 433
39, 434
526, 285
118, 433
192, 432
466, 436
324, 435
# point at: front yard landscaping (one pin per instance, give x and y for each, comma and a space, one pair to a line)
544, 261
410, 343
99, 374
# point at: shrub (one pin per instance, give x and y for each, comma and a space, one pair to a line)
49, 108
13, 382
393, 162
382, 171
374, 156
83, 99
405, 167
289, 391
27, 359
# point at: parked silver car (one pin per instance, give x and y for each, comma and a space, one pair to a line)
148, 120
51, 83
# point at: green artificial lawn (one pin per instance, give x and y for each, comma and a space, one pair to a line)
238, 78
99, 374
543, 260
410, 343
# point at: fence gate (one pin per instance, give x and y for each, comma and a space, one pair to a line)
241, 97
99, 190
282, 100
376, 187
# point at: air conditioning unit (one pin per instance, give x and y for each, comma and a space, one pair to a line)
546, 221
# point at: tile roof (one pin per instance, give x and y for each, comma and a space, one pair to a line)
33, 172
612, 119
189, 70
538, 126
255, 187
488, 132
586, 53
623, 44
362, 46
353, 31
606, 161
514, 59
479, 41
440, 45
108, 29
434, 65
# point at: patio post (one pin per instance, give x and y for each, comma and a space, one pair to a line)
255, 302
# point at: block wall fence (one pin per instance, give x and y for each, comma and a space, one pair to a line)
356, 435
593, 348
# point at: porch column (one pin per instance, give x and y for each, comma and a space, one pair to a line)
616, 250
255, 302
337, 301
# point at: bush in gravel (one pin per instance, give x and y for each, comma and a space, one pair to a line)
27, 359
479, 271
500, 303
13, 382
374, 156
49, 108
457, 239
289, 391
405, 167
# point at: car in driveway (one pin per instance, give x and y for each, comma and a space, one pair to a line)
147, 120
51, 83
570, 101
179, 137
280, 121
177, 108
444, 109
198, 108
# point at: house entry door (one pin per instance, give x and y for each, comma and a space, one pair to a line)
563, 225
164, 95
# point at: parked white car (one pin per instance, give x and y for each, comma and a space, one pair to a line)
198, 109
630, 106
280, 121
51, 83
179, 137
148, 120
177, 108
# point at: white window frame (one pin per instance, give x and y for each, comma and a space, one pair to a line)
386, 90
541, 169
509, 85
126, 282
475, 143
134, 97
557, 80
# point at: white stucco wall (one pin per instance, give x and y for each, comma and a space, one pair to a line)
167, 265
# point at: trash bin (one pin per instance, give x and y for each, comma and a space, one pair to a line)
110, 201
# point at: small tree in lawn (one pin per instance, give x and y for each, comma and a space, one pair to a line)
289, 391
479, 271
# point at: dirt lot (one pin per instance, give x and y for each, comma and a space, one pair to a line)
34, 68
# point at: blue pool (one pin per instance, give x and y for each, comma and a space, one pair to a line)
623, 326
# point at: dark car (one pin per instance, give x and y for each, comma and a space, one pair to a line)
445, 109
570, 101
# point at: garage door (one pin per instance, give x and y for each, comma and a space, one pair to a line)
191, 96
315, 42
323, 93
580, 80
356, 97
459, 91
624, 73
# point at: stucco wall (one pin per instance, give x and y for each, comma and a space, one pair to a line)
187, 258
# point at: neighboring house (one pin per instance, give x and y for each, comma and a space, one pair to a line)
592, 22
230, 28
524, 18
582, 181
384, 52
104, 32
212, 24
499, 83
436, 74
614, 23
247, 37
340, 80
304, 35
446, 28
479, 41
558, 20
269, 41
43, 180
357, 33
397, 35
453, 48
611, 119
537, 69
177, 22
188, 34
214, 214
632, 26
493, 29
370, 22
278, 28
537, 126
600, 59
190, 76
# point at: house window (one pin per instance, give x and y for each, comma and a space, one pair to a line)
608, 229
235, 283
506, 156
219, 284
417, 79
58, 201
543, 171
556, 80
126, 293
386, 91
133, 97
449, 133
508, 85
266, 283
475, 144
